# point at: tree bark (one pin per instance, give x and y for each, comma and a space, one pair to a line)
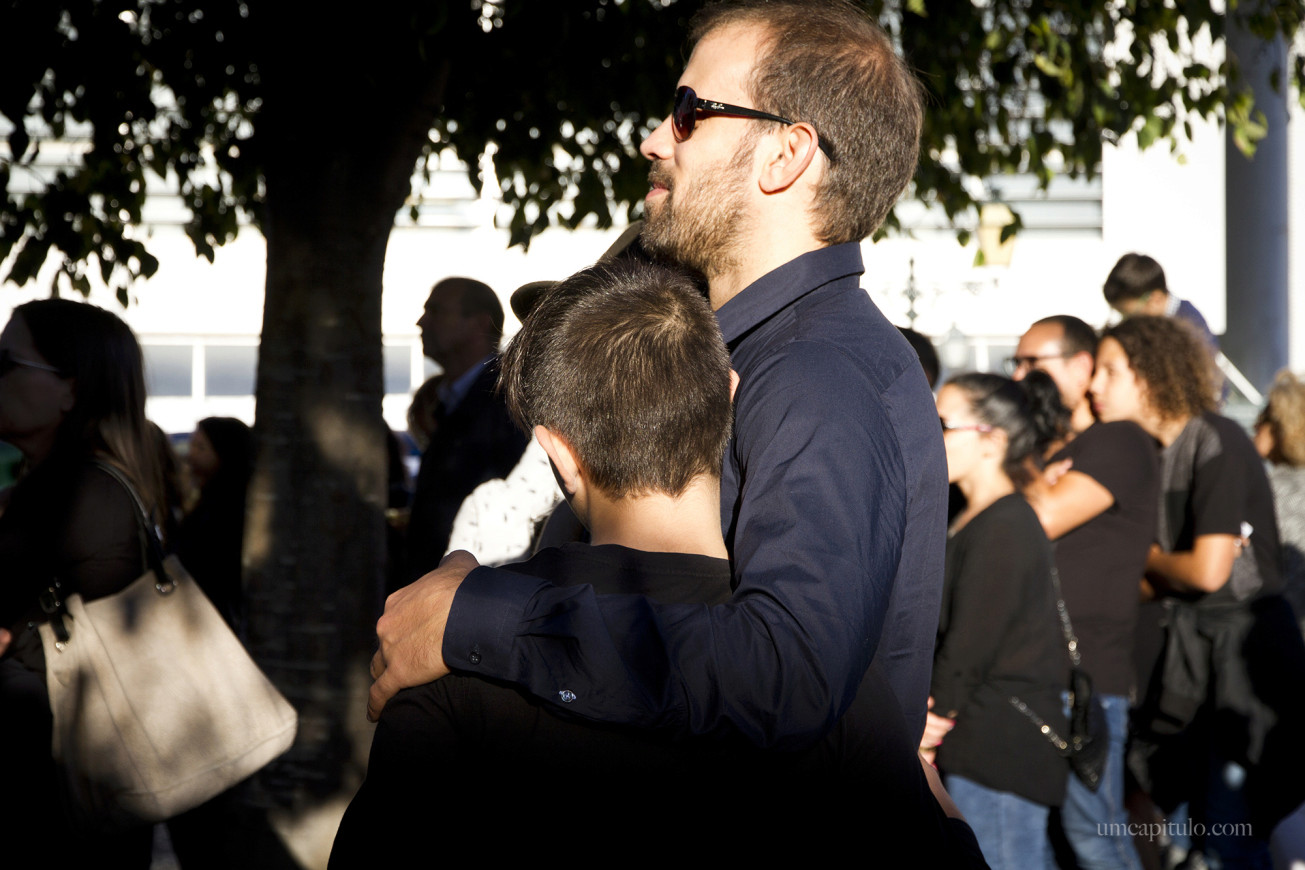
315, 534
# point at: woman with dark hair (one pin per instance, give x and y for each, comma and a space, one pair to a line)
221, 460
1000, 663
1219, 726
72, 394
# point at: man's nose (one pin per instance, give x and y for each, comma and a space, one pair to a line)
660, 141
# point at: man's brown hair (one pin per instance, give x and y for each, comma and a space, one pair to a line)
825, 62
1172, 361
625, 361
1134, 276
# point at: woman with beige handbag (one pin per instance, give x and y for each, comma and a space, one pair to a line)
85, 601
71, 391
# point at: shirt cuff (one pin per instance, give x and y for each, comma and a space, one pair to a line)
484, 621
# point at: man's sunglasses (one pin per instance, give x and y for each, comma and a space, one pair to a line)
9, 362
684, 116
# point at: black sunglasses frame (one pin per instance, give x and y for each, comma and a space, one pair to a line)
684, 115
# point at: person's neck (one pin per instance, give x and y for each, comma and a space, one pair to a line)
1081, 418
1166, 431
659, 523
980, 491
769, 245
459, 365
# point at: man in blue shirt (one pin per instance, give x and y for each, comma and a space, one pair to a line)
795, 129
1136, 285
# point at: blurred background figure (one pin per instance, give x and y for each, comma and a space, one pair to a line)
928, 354
72, 392
422, 409
1101, 515
999, 635
471, 438
1280, 439
1136, 286
1217, 734
211, 539
174, 499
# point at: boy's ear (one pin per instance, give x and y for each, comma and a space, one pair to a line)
563, 458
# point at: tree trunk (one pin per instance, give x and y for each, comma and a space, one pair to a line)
315, 535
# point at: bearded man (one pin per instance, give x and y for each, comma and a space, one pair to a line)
795, 128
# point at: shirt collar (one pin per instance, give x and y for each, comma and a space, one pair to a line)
1172, 304
451, 395
781, 287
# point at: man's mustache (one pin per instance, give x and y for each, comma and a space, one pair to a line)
659, 176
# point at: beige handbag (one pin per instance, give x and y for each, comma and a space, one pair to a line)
157, 706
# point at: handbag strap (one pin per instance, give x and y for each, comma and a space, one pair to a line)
1071, 641
1047, 731
152, 545
53, 601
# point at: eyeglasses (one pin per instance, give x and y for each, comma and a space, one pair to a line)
1015, 363
9, 362
965, 427
684, 116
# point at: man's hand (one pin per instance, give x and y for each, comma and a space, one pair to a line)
5, 639
411, 631
1052, 474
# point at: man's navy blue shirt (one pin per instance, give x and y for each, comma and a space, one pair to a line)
833, 504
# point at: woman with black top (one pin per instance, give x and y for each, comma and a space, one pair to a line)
1000, 663
1219, 726
72, 394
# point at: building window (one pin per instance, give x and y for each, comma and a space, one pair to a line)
230, 370
168, 369
398, 369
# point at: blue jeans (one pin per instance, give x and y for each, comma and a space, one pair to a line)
1011, 830
1096, 824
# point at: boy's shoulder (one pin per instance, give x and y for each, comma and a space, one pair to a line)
671, 578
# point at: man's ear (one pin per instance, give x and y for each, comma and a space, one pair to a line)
563, 459
797, 148
994, 443
734, 383
1084, 364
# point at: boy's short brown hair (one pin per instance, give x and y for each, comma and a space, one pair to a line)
625, 361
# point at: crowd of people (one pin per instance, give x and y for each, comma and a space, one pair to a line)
747, 599
1169, 577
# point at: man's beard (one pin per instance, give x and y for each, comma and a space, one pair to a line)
704, 228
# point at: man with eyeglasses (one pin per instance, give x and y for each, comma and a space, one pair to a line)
1064, 347
795, 128
1101, 515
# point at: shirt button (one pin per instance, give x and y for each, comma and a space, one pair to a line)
474, 658
566, 695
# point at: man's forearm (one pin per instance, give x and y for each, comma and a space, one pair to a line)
736, 668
